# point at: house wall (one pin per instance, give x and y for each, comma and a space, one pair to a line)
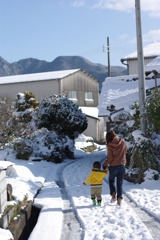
100, 123
95, 129
133, 65
92, 129
81, 83
41, 89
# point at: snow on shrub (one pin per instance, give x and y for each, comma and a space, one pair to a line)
142, 158
23, 148
25, 101
152, 111
62, 115
51, 146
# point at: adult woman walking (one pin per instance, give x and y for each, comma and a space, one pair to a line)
116, 160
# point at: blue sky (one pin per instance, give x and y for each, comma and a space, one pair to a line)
46, 29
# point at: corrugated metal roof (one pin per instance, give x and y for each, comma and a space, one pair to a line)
151, 50
37, 76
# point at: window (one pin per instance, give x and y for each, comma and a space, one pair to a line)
72, 95
88, 96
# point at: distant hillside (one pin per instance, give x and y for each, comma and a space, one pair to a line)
31, 65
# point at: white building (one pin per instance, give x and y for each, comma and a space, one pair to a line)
150, 52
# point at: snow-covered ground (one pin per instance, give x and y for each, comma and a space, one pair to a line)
97, 223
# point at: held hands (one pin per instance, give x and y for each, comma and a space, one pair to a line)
105, 168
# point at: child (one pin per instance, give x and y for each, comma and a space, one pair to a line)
95, 178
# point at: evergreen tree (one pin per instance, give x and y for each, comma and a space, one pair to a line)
152, 111
62, 115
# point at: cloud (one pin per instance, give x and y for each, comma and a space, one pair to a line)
152, 36
121, 5
123, 37
151, 7
78, 3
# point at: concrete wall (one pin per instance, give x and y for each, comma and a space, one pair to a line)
3, 191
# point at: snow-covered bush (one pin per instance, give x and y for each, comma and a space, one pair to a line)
23, 148
155, 141
6, 110
48, 131
62, 115
135, 113
142, 158
22, 121
51, 146
152, 111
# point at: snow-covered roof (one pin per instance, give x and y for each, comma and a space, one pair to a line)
122, 92
154, 65
90, 111
121, 113
151, 50
37, 76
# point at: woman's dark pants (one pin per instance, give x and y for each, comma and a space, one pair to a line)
118, 173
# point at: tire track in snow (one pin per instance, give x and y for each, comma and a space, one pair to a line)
152, 224
72, 226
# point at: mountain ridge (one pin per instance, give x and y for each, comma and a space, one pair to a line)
33, 65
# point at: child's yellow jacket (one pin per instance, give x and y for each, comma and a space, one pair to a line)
95, 177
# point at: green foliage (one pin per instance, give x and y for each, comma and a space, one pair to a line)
152, 111
23, 148
20, 206
26, 101
6, 111
136, 115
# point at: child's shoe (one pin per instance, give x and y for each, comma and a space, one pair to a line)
99, 203
94, 202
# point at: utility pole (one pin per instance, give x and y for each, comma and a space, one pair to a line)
141, 76
108, 52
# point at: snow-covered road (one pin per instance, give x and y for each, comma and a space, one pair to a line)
66, 207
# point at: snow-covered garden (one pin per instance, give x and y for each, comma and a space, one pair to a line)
42, 147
